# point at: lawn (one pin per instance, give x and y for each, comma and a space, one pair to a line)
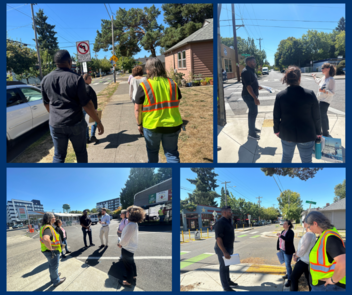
196, 143
42, 151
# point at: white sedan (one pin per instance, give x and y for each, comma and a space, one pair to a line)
25, 109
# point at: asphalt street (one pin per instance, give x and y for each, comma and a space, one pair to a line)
252, 246
232, 93
153, 256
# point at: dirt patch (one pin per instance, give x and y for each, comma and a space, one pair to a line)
189, 287
302, 284
254, 260
195, 145
42, 151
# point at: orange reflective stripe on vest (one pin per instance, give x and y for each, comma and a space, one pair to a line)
56, 241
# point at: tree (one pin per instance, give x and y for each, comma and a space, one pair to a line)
340, 191
26, 74
316, 45
205, 183
138, 180
132, 28
19, 58
340, 43
183, 20
162, 174
290, 52
301, 173
94, 210
105, 65
47, 62
290, 205
341, 25
126, 63
46, 33
228, 41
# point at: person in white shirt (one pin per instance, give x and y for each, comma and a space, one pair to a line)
129, 244
137, 73
123, 223
104, 231
325, 94
301, 257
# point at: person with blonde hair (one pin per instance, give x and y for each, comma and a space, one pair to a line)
137, 73
325, 94
129, 244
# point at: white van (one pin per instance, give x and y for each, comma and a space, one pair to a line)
94, 218
265, 71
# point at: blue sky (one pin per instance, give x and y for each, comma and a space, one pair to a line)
74, 22
81, 188
252, 182
292, 14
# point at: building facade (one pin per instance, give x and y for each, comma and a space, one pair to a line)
19, 210
336, 213
194, 54
228, 61
112, 204
202, 217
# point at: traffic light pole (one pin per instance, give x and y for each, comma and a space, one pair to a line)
113, 43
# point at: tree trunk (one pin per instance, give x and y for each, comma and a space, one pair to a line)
153, 51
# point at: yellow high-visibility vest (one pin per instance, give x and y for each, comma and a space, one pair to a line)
55, 243
161, 212
320, 267
161, 106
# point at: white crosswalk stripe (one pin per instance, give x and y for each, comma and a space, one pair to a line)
255, 232
276, 79
106, 83
95, 84
263, 98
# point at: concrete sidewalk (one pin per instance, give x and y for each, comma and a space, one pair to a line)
79, 277
249, 277
121, 141
236, 147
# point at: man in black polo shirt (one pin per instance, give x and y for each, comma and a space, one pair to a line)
225, 237
64, 95
250, 93
85, 223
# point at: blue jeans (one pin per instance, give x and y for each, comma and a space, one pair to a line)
252, 113
224, 270
76, 134
169, 142
53, 265
94, 127
65, 243
305, 151
288, 259
328, 288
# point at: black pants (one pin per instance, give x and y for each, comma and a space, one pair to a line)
324, 117
128, 262
298, 270
85, 232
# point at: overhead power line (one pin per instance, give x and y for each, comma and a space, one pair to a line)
282, 20
110, 8
286, 27
20, 11
16, 7
20, 27
107, 11
277, 183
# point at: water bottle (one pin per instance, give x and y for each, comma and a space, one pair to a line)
318, 148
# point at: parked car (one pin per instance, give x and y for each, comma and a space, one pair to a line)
255, 223
25, 109
281, 222
265, 71
283, 71
15, 226
103, 74
94, 218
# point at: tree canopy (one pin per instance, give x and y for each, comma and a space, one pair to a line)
341, 26
19, 58
290, 205
340, 191
301, 173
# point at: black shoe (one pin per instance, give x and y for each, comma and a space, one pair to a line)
61, 281
254, 136
106, 246
63, 256
257, 130
288, 284
219, 148
68, 252
91, 245
285, 277
230, 290
233, 284
93, 139
85, 247
87, 141
102, 246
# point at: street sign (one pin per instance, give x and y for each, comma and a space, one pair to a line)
85, 70
310, 202
214, 213
340, 56
83, 51
114, 58
245, 54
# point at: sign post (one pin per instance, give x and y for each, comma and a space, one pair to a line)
85, 70
249, 220
83, 51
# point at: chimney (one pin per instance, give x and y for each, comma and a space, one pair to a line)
327, 204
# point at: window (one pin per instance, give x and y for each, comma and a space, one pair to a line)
31, 94
182, 60
13, 98
228, 66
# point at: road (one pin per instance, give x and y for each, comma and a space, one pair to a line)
232, 93
26, 140
153, 256
252, 246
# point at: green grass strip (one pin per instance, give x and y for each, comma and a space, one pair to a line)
255, 237
242, 236
183, 253
194, 260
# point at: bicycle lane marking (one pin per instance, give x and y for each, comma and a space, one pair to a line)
195, 259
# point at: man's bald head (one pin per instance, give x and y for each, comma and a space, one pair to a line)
63, 59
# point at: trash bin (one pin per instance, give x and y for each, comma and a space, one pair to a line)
197, 235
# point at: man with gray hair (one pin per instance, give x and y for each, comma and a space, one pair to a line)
225, 238
157, 112
328, 257
50, 244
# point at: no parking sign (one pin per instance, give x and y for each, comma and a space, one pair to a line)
83, 51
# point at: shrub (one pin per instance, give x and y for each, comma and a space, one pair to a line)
259, 73
340, 66
208, 79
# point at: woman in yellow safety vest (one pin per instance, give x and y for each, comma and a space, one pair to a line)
50, 242
327, 259
157, 112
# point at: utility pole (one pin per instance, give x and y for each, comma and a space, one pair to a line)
225, 188
221, 98
237, 66
260, 43
113, 43
36, 44
259, 200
